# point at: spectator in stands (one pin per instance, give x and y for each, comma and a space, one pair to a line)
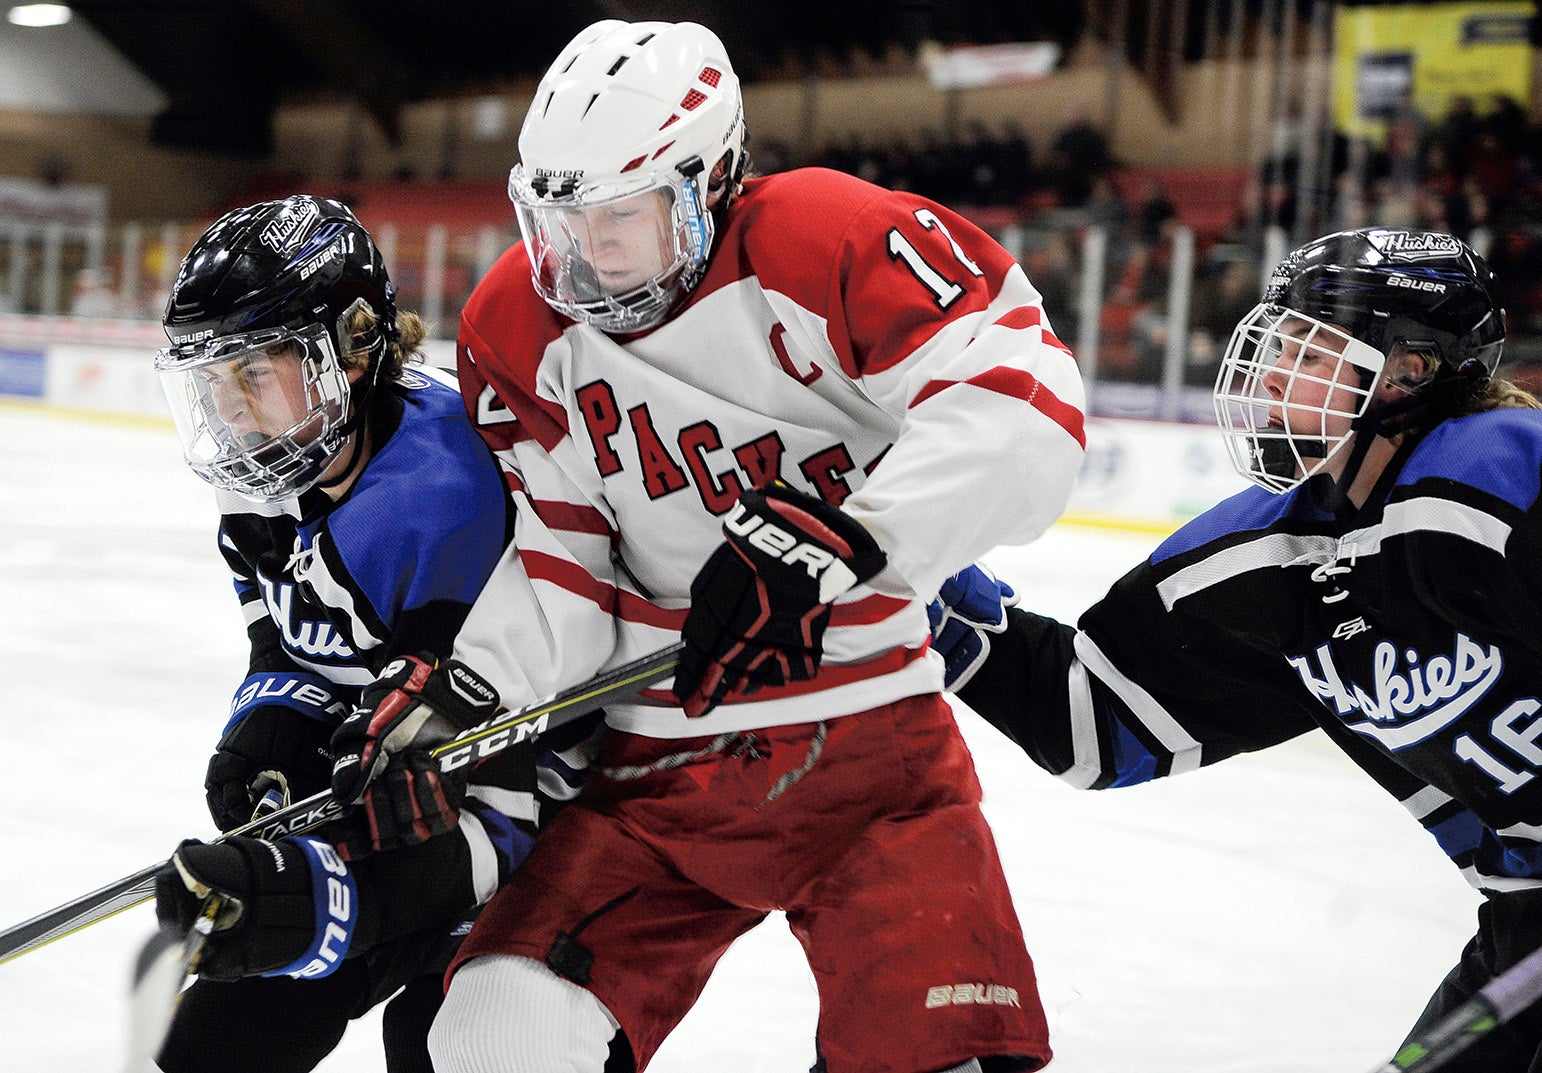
1106, 209
1154, 213
1407, 135
1222, 297
933, 168
1479, 234
1493, 163
1014, 163
977, 160
1280, 204
772, 156
1348, 210
1056, 272
1394, 207
1079, 155
1457, 133
899, 159
1509, 125
1147, 278
1431, 211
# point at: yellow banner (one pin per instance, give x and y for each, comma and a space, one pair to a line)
1428, 54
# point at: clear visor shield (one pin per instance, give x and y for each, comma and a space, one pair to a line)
1289, 392
260, 415
621, 262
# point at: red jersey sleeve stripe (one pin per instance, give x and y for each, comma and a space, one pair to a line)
571, 517
575, 579
1053, 340
866, 611
1030, 317
1019, 385
1021, 317
828, 678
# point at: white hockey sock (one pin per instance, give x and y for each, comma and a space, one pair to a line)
971, 1066
507, 1014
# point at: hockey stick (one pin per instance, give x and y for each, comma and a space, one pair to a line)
471, 747
161, 969
1502, 999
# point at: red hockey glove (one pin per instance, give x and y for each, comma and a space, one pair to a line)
760, 605
384, 762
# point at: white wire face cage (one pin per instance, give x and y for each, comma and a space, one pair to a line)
620, 256
260, 414
1289, 392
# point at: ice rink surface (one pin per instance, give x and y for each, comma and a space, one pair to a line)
1275, 914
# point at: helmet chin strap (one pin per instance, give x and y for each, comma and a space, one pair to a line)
359, 396
1361, 446
1279, 457
1408, 415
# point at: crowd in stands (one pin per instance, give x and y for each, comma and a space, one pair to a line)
1475, 174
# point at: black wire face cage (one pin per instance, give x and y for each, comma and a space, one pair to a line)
1289, 392
261, 414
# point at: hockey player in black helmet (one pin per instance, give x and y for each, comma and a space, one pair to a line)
361, 516
295, 279
1406, 324
1383, 582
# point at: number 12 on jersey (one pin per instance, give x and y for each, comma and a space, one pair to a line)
944, 290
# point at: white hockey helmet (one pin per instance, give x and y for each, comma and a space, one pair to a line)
615, 156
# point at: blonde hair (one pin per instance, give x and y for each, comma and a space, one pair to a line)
405, 348
1500, 395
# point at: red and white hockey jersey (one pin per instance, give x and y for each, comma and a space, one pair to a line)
867, 346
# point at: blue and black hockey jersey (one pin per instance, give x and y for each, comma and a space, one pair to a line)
331, 592
1410, 630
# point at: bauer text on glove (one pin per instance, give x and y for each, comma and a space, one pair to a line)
385, 762
279, 736
289, 908
760, 605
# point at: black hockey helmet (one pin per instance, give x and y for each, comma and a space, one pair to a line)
1397, 289
264, 376
279, 264
1357, 299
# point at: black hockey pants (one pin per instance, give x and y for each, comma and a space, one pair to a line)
1509, 928
279, 1025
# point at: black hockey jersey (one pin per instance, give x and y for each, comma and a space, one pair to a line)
1409, 630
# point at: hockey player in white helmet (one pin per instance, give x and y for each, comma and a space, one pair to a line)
746, 404
1381, 582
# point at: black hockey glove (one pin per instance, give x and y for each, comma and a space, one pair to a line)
970, 606
384, 762
279, 739
760, 605
290, 907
